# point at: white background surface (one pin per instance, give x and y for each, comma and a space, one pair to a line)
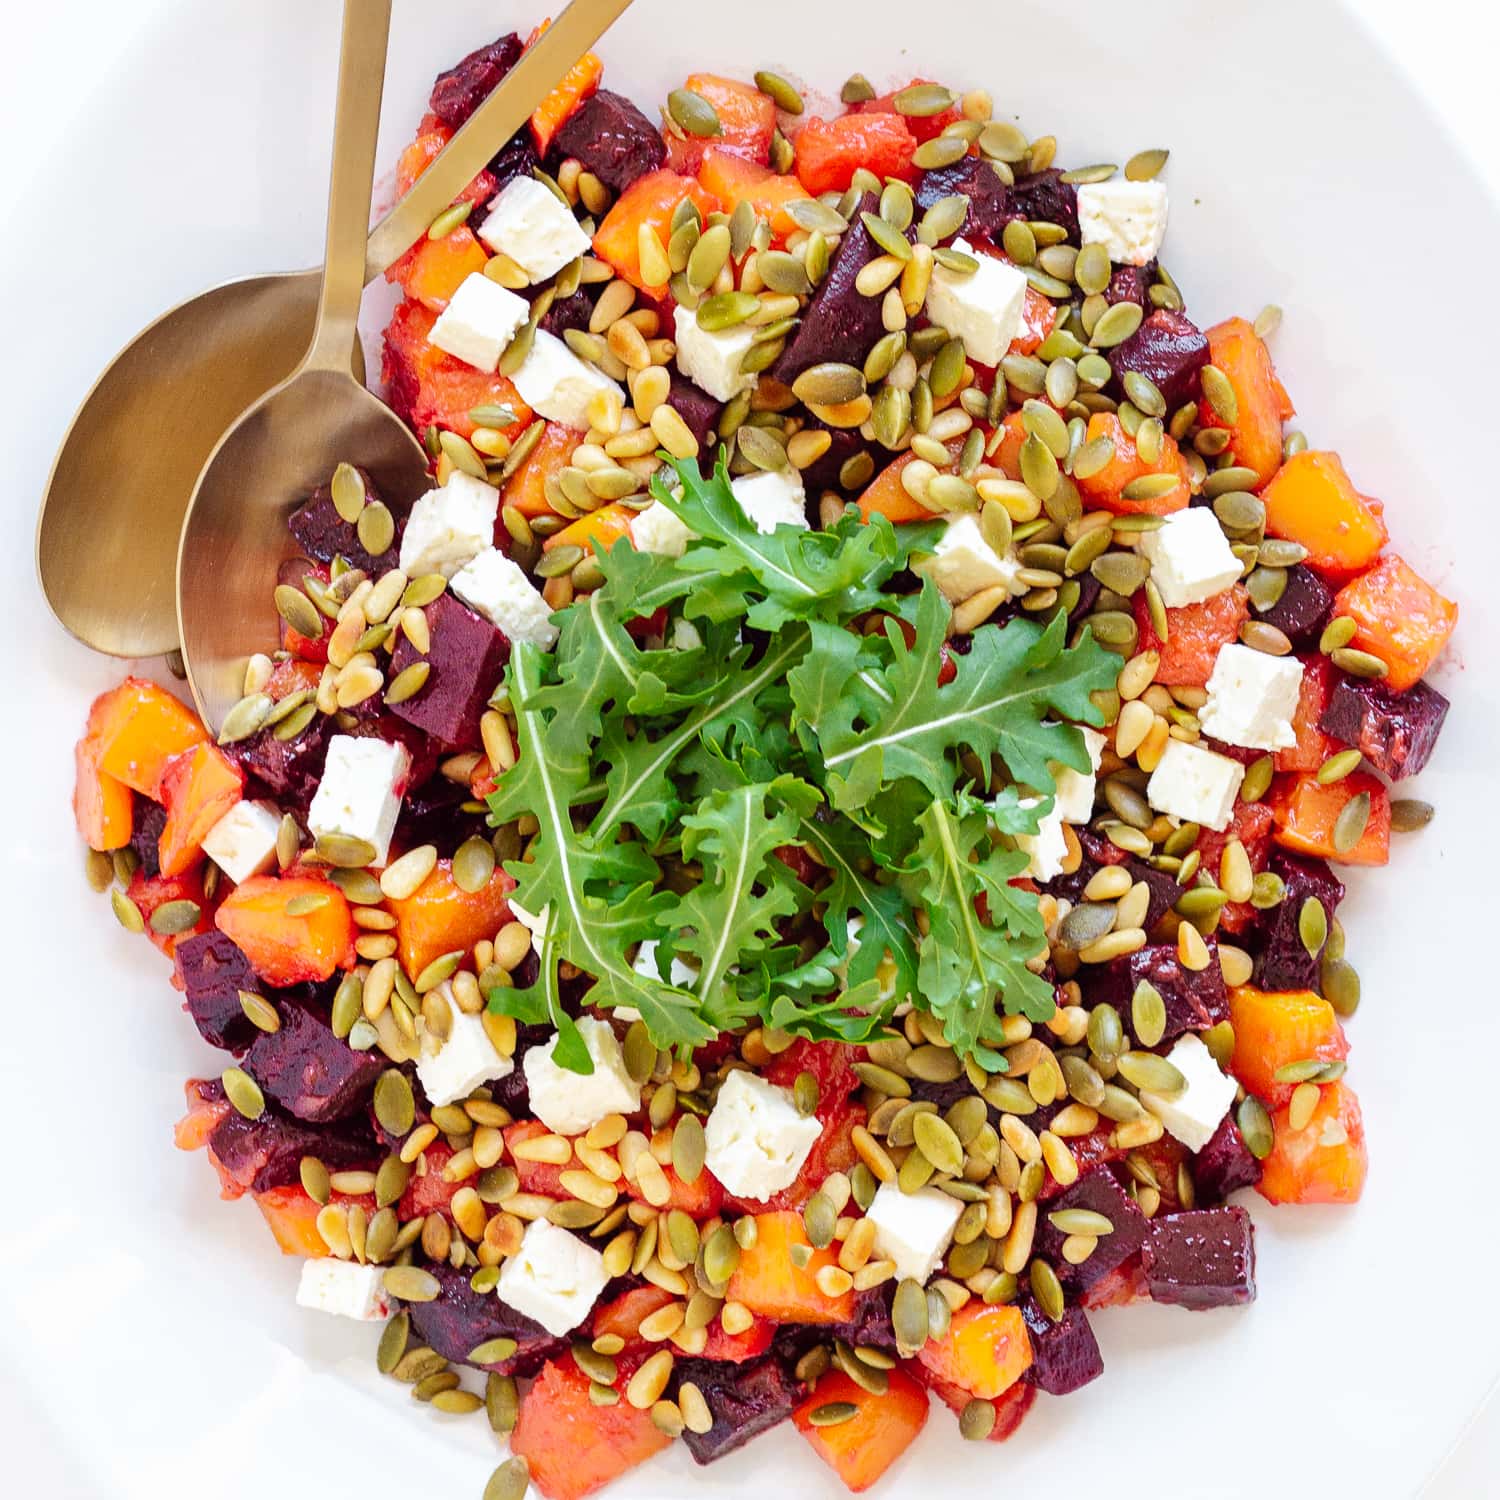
150, 1345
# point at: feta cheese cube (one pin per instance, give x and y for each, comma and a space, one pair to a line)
497, 588
1195, 785
983, 309
757, 1141
481, 318
529, 224
774, 498
1190, 557
1193, 1115
964, 563
913, 1229
557, 385
344, 1289
656, 529
1128, 218
243, 842
1075, 789
1046, 847
451, 1069
570, 1103
554, 1278
712, 360
450, 525
1252, 698
685, 976
361, 790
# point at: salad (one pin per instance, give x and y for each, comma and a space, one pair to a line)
809, 861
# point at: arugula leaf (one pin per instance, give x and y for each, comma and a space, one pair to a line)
854, 1015
997, 703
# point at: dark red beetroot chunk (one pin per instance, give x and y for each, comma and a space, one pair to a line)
840, 323
870, 1326
976, 180
746, 1400
1169, 349
465, 86
1097, 852
570, 312
268, 1152
1096, 1190
613, 140
1194, 1001
1224, 1165
1131, 284
1303, 608
1204, 1258
324, 534
213, 971
460, 1319
289, 769
701, 413
149, 818
1064, 1356
309, 1071
1396, 732
844, 443
1045, 196
516, 158
468, 657
432, 813
1282, 961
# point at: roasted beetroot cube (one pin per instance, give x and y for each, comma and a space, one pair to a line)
976, 180
433, 813
213, 971
459, 1319
1396, 732
1204, 1258
1097, 1190
268, 1152
516, 158
1282, 961
467, 657
871, 1324
149, 818
1065, 1355
840, 324
1303, 608
324, 534
745, 1399
844, 443
309, 1071
570, 312
613, 140
701, 413
1169, 349
1194, 1001
1046, 197
289, 769
1163, 887
1131, 284
1224, 1165
467, 84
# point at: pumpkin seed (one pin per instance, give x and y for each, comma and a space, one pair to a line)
412, 1284
1116, 325
1086, 923
726, 310
690, 110
923, 99
1151, 486
376, 528
1047, 1290
1120, 572
761, 449
1148, 1071
977, 1420
887, 236
1265, 587
1106, 1033
395, 1107
1339, 981
511, 1480
1219, 394
1003, 141
1145, 165
408, 682
390, 1182
783, 273
820, 1219
779, 91
173, 917
1039, 471
1408, 814
1349, 826
344, 851
1148, 1015
1358, 663
944, 219
1255, 1126
857, 89
813, 215
939, 1143
829, 384
243, 1092
909, 1314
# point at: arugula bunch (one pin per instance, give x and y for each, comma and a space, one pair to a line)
773, 797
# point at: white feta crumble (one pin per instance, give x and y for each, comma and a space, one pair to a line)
243, 842
963, 563
685, 636
1128, 218
360, 794
712, 360
913, 1229
1195, 785
1193, 1115
554, 1278
774, 498
885, 970
657, 529
480, 320
1252, 699
757, 1141
1075, 789
529, 224
1047, 847
983, 309
451, 1069
343, 1288
1190, 557
557, 385
497, 588
450, 525
570, 1103
681, 974
536, 925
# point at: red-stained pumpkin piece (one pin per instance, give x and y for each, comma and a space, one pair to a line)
1399, 617
860, 1449
197, 789
284, 948
442, 918
1323, 1162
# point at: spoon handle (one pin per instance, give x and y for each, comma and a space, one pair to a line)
506, 109
356, 125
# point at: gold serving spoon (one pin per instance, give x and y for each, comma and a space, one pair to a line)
106, 549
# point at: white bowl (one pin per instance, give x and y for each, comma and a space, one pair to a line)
151, 1340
